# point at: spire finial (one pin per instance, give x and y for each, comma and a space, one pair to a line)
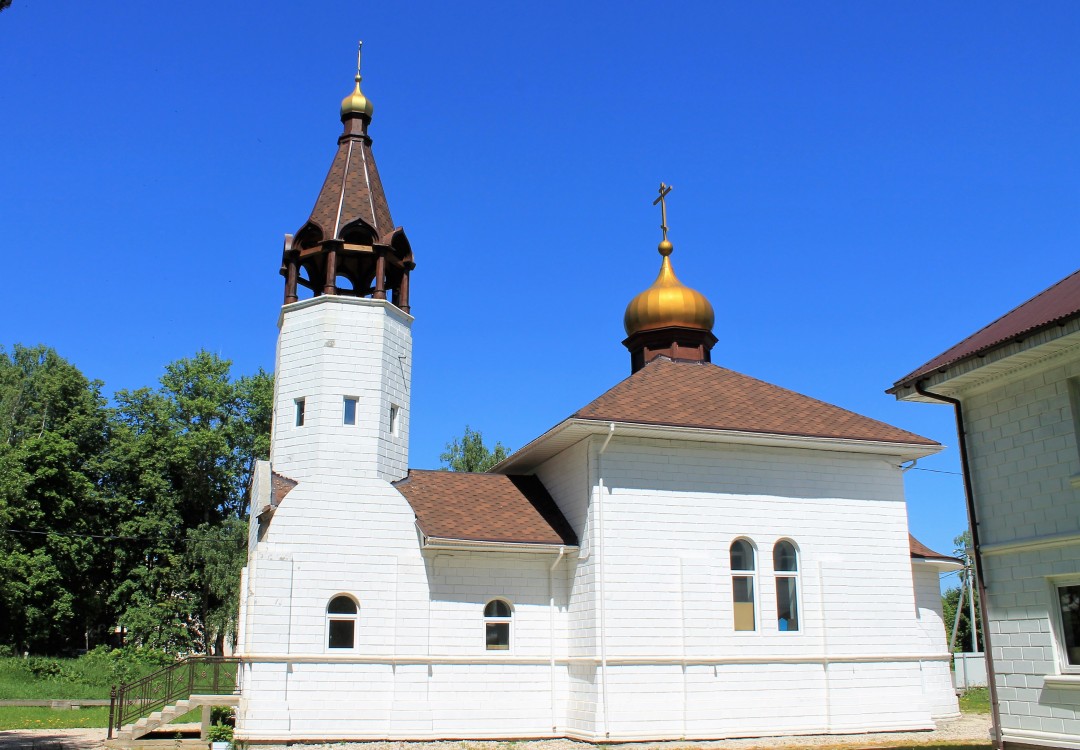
665, 247
356, 103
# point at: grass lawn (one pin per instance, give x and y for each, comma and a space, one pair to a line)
19, 717
975, 701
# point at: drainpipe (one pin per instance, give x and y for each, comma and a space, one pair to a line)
600, 573
551, 630
976, 545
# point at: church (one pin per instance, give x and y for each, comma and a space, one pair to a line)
695, 554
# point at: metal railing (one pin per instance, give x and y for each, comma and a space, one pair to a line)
195, 675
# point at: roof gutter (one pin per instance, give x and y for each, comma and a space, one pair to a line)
973, 521
473, 545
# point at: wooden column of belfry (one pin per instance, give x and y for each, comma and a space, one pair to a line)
350, 233
668, 318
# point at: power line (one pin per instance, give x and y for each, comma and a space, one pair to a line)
936, 471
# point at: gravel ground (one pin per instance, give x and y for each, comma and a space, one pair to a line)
970, 728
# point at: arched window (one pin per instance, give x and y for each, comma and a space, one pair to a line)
742, 584
497, 616
786, 567
341, 615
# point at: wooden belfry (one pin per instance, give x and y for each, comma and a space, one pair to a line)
350, 246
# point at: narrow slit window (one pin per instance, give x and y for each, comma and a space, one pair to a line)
786, 568
341, 616
743, 569
497, 619
349, 411
300, 405
395, 418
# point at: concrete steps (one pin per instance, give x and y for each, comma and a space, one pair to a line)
159, 719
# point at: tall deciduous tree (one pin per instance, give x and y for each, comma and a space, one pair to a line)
53, 429
470, 454
183, 457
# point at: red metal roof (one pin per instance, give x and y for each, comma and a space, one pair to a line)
1054, 305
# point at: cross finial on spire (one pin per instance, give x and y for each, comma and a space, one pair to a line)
664, 190
359, 52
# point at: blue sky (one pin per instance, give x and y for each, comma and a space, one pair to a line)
857, 187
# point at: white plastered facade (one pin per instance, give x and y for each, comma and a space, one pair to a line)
628, 636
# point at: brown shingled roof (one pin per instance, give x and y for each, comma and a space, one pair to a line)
699, 394
918, 549
352, 192
485, 508
1054, 305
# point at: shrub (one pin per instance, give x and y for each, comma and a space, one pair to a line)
219, 733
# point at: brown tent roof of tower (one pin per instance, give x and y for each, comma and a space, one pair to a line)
703, 395
1052, 306
485, 508
351, 192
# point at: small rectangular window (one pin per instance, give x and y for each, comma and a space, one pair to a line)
743, 590
498, 636
299, 412
1069, 609
394, 419
350, 410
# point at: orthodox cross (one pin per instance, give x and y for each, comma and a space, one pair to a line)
664, 190
359, 51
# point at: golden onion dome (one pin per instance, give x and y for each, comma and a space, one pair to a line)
356, 103
668, 303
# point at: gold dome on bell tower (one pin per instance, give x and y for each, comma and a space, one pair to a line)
669, 317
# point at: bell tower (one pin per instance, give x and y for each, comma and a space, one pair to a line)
344, 357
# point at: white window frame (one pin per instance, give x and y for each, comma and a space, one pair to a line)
508, 621
341, 617
1057, 627
797, 576
345, 410
752, 574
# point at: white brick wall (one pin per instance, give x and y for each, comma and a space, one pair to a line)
331, 347
658, 579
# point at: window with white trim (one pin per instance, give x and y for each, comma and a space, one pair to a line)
497, 619
786, 570
301, 405
1068, 616
743, 573
341, 617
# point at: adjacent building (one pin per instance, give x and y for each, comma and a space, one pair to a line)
1015, 387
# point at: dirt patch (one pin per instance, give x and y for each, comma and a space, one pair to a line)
52, 739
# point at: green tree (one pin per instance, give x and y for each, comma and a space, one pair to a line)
470, 454
182, 458
53, 562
